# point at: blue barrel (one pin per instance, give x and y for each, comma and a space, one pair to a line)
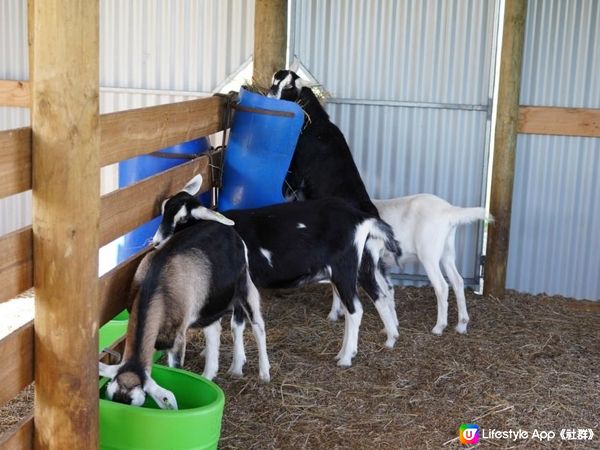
138, 168
261, 144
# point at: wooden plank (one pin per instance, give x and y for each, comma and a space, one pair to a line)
115, 286
139, 131
21, 438
15, 93
125, 209
16, 264
66, 210
505, 145
559, 121
15, 161
16, 370
118, 346
270, 39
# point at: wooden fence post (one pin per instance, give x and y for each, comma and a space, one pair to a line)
270, 39
505, 145
66, 184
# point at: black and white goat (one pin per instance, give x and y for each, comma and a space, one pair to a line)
191, 281
322, 165
294, 244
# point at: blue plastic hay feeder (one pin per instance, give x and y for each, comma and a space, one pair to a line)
259, 152
140, 167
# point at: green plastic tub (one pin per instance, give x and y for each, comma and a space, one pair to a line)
113, 330
196, 425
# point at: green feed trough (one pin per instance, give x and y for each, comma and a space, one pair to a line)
196, 425
113, 330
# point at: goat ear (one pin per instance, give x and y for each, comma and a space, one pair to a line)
193, 186
299, 83
108, 371
200, 212
164, 398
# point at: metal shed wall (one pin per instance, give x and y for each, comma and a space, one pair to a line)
554, 244
411, 87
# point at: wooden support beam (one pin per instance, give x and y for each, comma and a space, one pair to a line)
16, 264
270, 39
136, 132
66, 210
505, 145
15, 161
16, 370
15, 93
559, 121
21, 437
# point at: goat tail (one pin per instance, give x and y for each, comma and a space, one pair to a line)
385, 233
458, 215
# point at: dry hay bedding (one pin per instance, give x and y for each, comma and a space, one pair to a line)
528, 362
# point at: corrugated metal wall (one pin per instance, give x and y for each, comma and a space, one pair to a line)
151, 52
554, 244
15, 211
14, 64
411, 86
184, 45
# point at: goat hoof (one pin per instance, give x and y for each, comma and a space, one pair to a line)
265, 377
235, 373
209, 375
333, 316
438, 330
344, 362
461, 328
390, 342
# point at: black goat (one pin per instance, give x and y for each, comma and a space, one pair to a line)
294, 244
322, 165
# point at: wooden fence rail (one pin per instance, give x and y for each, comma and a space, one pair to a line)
123, 135
15, 161
16, 370
16, 264
15, 93
21, 438
127, 208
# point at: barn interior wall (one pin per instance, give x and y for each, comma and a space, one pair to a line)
411, 85
554, 245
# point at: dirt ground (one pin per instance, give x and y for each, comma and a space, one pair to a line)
528, 363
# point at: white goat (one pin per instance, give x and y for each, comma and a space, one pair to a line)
425, 227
